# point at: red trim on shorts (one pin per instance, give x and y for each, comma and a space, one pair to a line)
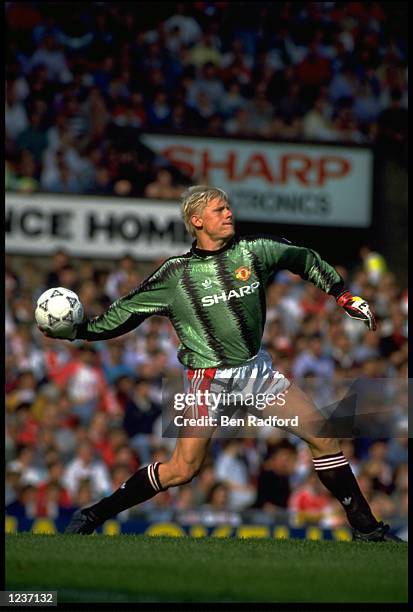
206, 380
208, 376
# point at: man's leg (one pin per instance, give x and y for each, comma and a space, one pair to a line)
184, 464
330, 464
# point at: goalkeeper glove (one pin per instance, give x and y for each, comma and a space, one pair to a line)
357, 308
69, 335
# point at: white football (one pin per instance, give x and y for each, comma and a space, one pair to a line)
58, 310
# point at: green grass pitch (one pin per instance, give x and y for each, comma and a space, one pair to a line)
127, 568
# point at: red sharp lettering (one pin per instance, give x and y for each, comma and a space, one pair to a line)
301, 173
207, 164
332, 168
257, 166
181, 158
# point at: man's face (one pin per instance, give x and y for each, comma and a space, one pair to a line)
215, 220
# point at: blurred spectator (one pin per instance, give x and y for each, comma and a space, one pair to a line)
273, 488
12, 481
24, 392
33, 137
84, 495
159, 110
83, 466
313, 361
114, 365
232, 100
88, 390
162, 188
367, 349
205, 51
366, 107
24, 464
238, 124
377, 468
49, 55
218, 497
208, 84
188, 28
120, 472
141, 413
51, 492
393, 122
24, 507
59, 259
203, 483
16, 114
120, 274
317, 123
26, 178
374, 264
65, 180
260, 112
314, 70
312, 502
114, 449
231, 470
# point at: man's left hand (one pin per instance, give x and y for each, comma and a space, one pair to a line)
357, 308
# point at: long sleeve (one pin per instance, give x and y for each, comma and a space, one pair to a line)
283, 255
152, 297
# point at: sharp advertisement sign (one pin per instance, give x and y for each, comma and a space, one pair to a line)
278, 182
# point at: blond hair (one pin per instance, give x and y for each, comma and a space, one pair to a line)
195, 199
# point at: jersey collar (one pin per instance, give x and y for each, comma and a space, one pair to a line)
204, 253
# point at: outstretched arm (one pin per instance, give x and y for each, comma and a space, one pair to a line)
152, 297
307, 263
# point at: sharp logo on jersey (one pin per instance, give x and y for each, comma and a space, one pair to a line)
225, 296
242, 273
207, 283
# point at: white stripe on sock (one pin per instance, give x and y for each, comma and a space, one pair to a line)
151, 477
331, 466
158, 484
323, 460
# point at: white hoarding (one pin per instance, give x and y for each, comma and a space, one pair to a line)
278, 182
94, 227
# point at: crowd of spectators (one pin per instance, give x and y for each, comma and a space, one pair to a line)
82, 417
84, 80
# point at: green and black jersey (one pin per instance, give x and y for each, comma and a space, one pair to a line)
214, 299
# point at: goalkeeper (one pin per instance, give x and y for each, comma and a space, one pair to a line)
214, 295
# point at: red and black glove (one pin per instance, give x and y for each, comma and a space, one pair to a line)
357, 308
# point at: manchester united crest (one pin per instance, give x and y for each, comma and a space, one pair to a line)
243, 273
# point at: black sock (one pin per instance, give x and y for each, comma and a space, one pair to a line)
336, 475
143, 485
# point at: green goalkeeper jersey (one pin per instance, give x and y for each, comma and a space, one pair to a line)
216, 300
